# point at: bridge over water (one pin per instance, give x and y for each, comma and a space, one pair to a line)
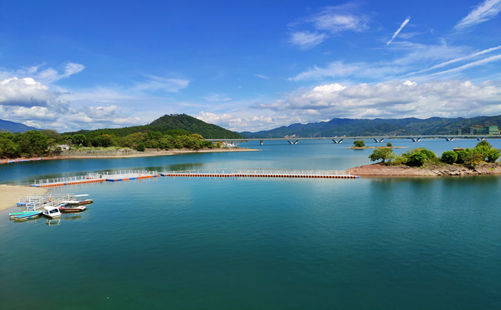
377, 139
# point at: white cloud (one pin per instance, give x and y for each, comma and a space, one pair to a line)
51, 75
262, 76
469, 65
410, 64
392, 99
329, 21
33, 113
482, 13
72, 68
306, 39
334, 69
458, 59
217, 98
24, 92
156, 83
404, 23
245, 120
37, 104
336, 19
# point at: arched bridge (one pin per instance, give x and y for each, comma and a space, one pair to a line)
376, 139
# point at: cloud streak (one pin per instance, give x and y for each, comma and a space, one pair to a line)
458, 59
328, 22
404, 23
482, 13
306, 39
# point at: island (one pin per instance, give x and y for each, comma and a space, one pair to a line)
421, 162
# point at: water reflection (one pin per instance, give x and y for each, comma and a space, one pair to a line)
53, 222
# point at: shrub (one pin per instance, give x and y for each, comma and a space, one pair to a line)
359, 143
389, 144
103, 140
400, 160
427, 153
492, 155
474, 159
140, 147
462, 156
416, 159
382, 154
7, 148
449, 157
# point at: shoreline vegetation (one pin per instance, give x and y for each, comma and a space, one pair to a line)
12, 193
480, 160
102, 153
49, 144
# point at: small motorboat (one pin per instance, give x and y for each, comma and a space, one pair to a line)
71, 208
71, 202
24, 215
85, 202
51, 212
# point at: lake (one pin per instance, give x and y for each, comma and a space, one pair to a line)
180, 243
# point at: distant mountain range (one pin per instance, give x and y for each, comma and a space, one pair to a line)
381, 127
14, 127
171, 124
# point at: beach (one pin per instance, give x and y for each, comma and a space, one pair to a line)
10, 194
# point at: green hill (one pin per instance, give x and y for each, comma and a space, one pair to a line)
14, 127
172, 124
380, 127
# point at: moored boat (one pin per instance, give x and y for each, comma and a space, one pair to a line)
51, 212
85, 202
24, 215
71, 209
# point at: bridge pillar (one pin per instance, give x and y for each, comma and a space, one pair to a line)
261, 142
378, 140
416, 139
337, 141
293, 142
449, 139
480, 138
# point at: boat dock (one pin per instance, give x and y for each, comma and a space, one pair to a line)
297, 174
122, 175
129, 175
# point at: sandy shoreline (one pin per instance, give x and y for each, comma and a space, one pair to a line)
10, 194
383, 171
134, 154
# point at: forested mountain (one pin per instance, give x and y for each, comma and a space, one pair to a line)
14, 127
170, 124
381, 127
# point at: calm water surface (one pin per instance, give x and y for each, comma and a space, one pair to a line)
258, 244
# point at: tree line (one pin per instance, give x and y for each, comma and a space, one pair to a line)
46, 142
483, 152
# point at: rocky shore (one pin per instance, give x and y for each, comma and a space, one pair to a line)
383, 170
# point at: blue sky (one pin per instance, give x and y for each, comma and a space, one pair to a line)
246, 65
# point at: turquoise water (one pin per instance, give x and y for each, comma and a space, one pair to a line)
171, 243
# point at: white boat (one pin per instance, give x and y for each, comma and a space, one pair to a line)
51, 212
